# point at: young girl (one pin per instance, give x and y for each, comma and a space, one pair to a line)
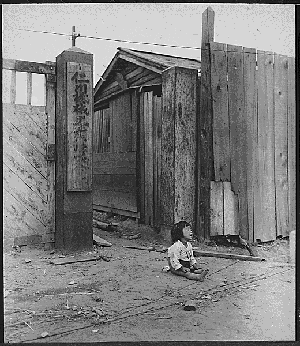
180, 255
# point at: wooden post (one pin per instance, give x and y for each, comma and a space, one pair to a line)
205, 170
178, 145
74, 112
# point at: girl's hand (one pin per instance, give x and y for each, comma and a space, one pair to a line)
185, 270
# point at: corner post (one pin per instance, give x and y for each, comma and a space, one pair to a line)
74, 112
205, 165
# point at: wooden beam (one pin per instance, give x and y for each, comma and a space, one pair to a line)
291, 144
200, 253
13, 87
204, 132
29, 87
221, 152
29, 66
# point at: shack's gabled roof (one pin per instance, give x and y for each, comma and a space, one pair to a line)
152, 61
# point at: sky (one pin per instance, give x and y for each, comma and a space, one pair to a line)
260, 26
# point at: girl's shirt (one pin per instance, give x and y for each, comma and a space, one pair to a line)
178, 251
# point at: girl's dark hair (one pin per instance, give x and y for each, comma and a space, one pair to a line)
176, 231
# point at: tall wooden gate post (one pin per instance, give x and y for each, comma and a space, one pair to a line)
178, 146
74, 111
205, 170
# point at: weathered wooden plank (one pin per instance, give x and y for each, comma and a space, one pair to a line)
25, 195
17, 220
157, 162
29, 66
167, 148
13, 87
200, 253
185, 144
217, 208
149, 160
22, 168
50, 112
121, 113
291, 144
21, 119
281, 144
249, 64
141, 163
135, 72
264, 208
238, 134
259, 181
205, 165
230, 210
149, 80
25, 148
114, 182
79, 127
115, 158
114, 170
134, 112
221, 147
29, 87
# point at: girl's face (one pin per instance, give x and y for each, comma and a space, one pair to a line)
187, 233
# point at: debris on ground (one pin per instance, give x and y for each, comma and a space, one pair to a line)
231, 240
44, 335
27, 260
105, 226
100, 241
190, 305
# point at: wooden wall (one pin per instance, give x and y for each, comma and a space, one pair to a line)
254, 139
114, 162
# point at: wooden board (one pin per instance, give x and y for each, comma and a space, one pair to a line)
281, 144
264, 208
17, 163
205, 172
185, 144
230, 210
141, 163
221, 147
134, 116
114, 163
249, 64
121, 110
157, 153
200, 253
148, 128
50, 111
238, 130
217, 209
291, 145
17, 219
79, 127
31, 201
29, 66
23, 119
167, 148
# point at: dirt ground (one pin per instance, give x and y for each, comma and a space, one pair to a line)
128, 297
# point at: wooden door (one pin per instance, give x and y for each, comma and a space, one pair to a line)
28, 159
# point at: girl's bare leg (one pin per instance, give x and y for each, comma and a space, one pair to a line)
191, 276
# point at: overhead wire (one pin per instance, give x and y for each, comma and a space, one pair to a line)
138, 42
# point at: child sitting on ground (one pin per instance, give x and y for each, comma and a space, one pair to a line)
180, 255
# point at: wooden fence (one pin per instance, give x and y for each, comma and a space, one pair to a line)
253, 101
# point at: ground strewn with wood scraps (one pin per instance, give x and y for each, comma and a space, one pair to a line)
121, 292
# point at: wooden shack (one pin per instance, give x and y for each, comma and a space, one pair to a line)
144, 137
